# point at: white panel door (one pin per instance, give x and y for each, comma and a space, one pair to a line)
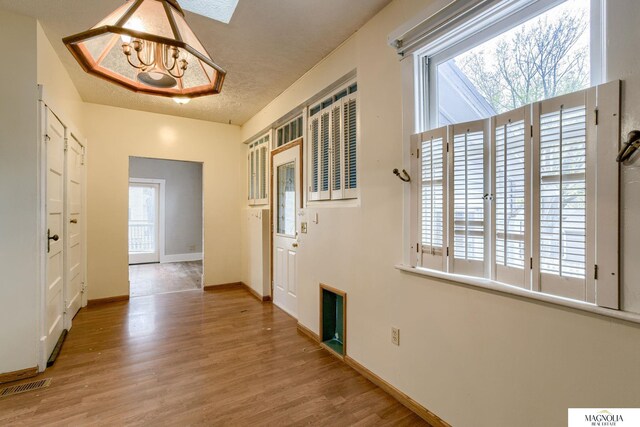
54, 292
74, 279
286, 193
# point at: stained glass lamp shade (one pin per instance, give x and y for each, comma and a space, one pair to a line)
146, 46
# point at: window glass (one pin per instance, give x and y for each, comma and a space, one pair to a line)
287, 199
544, 57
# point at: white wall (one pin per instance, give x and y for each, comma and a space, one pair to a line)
18, 194
115, 135
474, 357
183, 201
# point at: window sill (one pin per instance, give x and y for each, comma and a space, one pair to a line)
513, 290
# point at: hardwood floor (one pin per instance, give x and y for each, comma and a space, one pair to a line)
151, 279
199, 358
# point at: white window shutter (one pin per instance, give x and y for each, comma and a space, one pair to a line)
511, 214
607, 195
337, 183
350, 147
562, 199
314, 160
432, 165
325, 158
468, 198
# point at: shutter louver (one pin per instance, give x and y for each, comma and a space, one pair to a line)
432, 162
324, 155
468, 202
336, 185
350, 144
510, 195
563, 193
263, 173
315, 144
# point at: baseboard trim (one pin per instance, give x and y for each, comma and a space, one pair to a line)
253, 292
308, 332
411, 404
181, 257
222, 286
102, 301
235, 285
22, 374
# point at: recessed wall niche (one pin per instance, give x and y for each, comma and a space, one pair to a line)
333, 320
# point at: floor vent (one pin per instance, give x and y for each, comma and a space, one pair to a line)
23, 388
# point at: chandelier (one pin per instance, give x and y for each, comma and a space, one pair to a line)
146, 46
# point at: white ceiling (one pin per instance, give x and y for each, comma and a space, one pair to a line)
265, 48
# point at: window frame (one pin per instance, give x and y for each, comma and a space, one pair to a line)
466, 37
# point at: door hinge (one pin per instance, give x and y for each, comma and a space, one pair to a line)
447, 147
418, 153
531, 263
447, 250
595, 272
596, 116
66, 144
417, 247
531, 131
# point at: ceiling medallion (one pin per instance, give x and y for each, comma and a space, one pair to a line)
146, 46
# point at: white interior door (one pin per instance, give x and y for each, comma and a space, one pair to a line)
54, 292
286, 193
144, 224
74, 273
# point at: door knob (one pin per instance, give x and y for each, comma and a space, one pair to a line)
55, 238
295, 245
74, 221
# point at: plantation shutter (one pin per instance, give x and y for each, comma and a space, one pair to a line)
314, 130
262, 173
431, 149
511, 184
325, 144
250, 168
350, 132
336, 152
562, 196
467, 189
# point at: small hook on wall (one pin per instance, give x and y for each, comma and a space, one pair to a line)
632, 144
405, 178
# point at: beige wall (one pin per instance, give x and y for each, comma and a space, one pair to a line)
18, 195
474, 357
114, 135
59, 91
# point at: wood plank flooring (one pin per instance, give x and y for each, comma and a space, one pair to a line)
199, 358
151, 279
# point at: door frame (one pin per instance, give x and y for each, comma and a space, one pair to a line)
297, 143
45, 102
161, 213
71, 134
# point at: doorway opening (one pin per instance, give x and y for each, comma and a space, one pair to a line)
165, 226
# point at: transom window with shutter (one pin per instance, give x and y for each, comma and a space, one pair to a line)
333, 136
257, 167
527, 198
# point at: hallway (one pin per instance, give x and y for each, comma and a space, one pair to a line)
211, 358
153, 279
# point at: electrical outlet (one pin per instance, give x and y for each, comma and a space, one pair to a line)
395, 336
303, 227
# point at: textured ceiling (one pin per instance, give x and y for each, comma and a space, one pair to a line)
266, 47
